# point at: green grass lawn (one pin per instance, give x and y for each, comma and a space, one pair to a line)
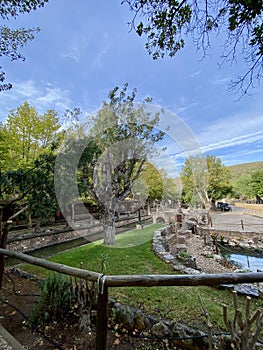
132, 254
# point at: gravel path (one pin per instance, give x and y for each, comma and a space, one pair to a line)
223, 220
199, 250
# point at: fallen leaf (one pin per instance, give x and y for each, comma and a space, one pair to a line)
117, 342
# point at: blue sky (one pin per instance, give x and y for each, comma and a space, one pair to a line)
85, 49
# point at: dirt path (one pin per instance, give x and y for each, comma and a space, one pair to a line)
234, 220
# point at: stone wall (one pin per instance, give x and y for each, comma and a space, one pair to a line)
242, 234
34, 241
161, 248
135, 320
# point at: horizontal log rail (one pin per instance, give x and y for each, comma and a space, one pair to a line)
104, 282
182, 280
141, 280
72, 271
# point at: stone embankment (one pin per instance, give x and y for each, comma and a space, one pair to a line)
172, 246
32, 241
243, 239
191, 253
27, 242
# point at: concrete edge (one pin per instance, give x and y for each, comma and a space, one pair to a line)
10, 339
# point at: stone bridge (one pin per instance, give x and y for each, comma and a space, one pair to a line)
165, 216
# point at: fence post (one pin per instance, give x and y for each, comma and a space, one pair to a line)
102, 318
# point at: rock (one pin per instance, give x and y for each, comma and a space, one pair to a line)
172, 239
181, 248
218, 257
178, 330
246, 289
125, 316
187, 234
160, 330
141, 323
181, 239
208, 240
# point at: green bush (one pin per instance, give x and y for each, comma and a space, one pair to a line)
184, 254
55, 300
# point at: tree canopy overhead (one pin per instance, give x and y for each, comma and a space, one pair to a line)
167, 23
12, 40
11, 8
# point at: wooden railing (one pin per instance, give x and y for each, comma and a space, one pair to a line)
104, 282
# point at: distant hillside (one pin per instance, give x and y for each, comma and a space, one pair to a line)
244, 169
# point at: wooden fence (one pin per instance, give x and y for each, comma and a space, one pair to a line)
104, 282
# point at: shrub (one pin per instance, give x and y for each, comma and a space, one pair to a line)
184, 254
55, 299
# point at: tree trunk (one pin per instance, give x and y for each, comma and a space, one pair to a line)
2, 257
37, 228
109, 227
1, 221
29, 219
72, 212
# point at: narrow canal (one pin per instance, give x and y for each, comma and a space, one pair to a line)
243, 259
54, 249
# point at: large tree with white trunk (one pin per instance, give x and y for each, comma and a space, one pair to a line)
109, 151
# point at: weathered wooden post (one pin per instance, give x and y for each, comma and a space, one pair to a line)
3, 245
1, 221
102, 315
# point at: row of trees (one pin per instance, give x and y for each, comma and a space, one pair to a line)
249, 186
106, 157
207, 179
46, 166
214, 182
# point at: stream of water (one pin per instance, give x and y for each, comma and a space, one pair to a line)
54, 249
243, 259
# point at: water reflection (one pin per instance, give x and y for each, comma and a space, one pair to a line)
252, 261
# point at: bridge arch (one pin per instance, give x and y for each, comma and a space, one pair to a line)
165, 217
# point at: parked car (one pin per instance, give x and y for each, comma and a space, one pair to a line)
219, 205
223, 206
226, 207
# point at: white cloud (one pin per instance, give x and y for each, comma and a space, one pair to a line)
25, 89
235, 141
195, 74
185, 106
221, 81
42, 96
72, 53
97, 62
238, 138
236, 129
